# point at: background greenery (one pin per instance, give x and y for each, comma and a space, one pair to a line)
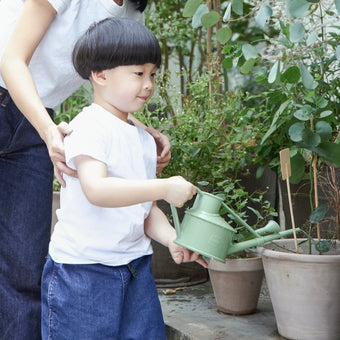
240, 81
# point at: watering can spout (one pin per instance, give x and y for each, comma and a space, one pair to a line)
236, 247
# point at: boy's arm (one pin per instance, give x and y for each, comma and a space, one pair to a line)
118, 192
159, 229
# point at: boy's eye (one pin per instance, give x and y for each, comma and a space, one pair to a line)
153, 75
139, 73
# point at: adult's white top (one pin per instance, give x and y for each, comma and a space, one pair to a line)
86, 233
51, 64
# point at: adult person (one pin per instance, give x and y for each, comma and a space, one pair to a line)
36, 42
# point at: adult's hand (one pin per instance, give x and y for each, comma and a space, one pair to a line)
56, 150
163, 148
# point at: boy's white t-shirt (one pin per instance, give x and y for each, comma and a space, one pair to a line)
86, 233
51, 64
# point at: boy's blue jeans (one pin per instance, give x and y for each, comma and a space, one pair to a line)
26, 174
97, 302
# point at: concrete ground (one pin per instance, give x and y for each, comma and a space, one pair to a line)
190, 313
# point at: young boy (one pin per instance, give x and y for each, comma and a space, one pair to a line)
97, 281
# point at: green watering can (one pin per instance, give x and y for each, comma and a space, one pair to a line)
204, 231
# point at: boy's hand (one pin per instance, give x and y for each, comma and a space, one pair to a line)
181, 254
178, 191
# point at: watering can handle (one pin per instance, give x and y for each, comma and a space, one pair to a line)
239, 220
176, 219
198, 190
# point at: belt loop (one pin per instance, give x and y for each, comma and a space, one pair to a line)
132, 270
4, 97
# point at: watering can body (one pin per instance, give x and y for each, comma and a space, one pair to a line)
206, 234
204, 231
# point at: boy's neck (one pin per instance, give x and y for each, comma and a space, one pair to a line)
109, 108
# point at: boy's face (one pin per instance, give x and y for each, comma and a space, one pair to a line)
128, 88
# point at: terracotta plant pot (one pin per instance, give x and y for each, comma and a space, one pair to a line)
236, 284
304, 290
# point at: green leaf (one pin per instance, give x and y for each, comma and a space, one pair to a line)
322, 102
291, 75
203, 183
237, 6
326, 113
196, 19
249, 51
295, 132
337, 52
296, 32
324, 129
312, 37
224, 34
210, 19
262, 16
190, 8
329, 151
285, 29
274, 72
337, 5
304, 114
323, 246
310, 138
247, 66
318, 214
256, 212
297, 163
273, 125
297, 8
227, 13
227, 63
259, 172
307, 79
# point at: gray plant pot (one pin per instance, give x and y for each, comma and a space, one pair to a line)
304, 290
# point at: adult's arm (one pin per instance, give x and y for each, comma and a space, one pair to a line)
32, 24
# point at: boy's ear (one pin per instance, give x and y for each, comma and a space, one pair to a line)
98, 77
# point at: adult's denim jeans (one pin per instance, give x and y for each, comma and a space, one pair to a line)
97, 302
26, 174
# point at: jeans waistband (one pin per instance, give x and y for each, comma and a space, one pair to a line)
2, 89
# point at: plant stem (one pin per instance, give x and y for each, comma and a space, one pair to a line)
316, 196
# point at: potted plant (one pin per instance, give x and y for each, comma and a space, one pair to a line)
237, 282
292, 50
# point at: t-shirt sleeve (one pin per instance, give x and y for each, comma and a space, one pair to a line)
85, 139
59, 5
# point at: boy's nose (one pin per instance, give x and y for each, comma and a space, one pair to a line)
148, 84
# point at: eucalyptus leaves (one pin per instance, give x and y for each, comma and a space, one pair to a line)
298, 68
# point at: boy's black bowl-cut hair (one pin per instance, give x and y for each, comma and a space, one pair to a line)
115, 42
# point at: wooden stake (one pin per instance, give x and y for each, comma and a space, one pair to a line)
286, 173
